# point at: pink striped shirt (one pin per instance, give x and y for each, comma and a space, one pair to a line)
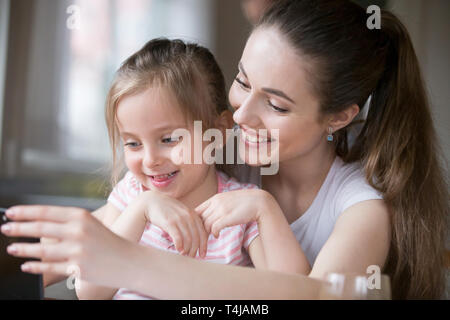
231, 247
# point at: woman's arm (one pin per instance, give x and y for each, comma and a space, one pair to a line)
108, 215
89, 245
169, 276
361, 238
105, 214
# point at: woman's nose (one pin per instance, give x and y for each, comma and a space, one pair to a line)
246, 113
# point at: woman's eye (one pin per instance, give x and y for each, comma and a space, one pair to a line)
242, 83
277, 109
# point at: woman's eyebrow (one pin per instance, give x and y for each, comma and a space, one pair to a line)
278, 93
268, 90
241, 69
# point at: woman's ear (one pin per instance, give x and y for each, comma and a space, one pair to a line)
344, 118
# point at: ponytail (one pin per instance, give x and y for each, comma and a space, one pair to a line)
397, 145
401, 160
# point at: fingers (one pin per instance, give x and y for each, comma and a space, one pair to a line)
34, 229
202, 206
185, 235
217, 226
186, 232
177, 238
194, 237
221, 223
44, 213
210, 217
203, 237
37, 267
51, 252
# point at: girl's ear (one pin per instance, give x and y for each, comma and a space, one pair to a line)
225, 121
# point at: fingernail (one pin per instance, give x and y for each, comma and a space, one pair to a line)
25, 267
10, 213
12, 249
6, 228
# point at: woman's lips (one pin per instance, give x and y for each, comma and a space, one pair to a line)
163, 180
254, 140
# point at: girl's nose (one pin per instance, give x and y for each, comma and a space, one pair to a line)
152, 157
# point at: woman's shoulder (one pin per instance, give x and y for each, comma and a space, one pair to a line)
350, 185
348, 174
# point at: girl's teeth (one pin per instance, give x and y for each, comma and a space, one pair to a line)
163, 176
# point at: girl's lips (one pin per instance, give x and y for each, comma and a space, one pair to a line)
161, 181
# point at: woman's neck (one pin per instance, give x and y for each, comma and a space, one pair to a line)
305, 173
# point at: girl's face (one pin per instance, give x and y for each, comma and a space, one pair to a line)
272, 91
146, 121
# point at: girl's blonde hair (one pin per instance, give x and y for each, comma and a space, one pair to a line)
188, 70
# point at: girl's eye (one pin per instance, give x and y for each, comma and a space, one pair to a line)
132, 144
170, 140
242, 83
277, 109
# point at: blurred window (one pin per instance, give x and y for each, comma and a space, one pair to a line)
56, 131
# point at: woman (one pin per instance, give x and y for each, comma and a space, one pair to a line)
308, 69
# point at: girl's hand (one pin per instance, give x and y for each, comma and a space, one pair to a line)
184, 227
233, 208
84, 245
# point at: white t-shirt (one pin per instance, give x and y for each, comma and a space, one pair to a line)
344, 186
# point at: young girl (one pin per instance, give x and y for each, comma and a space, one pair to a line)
165, 86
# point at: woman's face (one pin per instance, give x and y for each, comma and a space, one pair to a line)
272, 91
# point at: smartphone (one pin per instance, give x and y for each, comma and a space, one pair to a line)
15, 284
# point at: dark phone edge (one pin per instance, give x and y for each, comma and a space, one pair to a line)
40, 276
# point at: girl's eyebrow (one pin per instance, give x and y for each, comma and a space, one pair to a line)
276, 92
156, 129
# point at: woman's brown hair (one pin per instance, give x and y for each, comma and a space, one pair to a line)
397, 145
188, 70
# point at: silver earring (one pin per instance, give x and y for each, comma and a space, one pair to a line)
330, 134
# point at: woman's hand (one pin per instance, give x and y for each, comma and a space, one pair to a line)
84, 244
183, 226
233, 208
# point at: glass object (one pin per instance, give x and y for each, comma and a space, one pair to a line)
352, 286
